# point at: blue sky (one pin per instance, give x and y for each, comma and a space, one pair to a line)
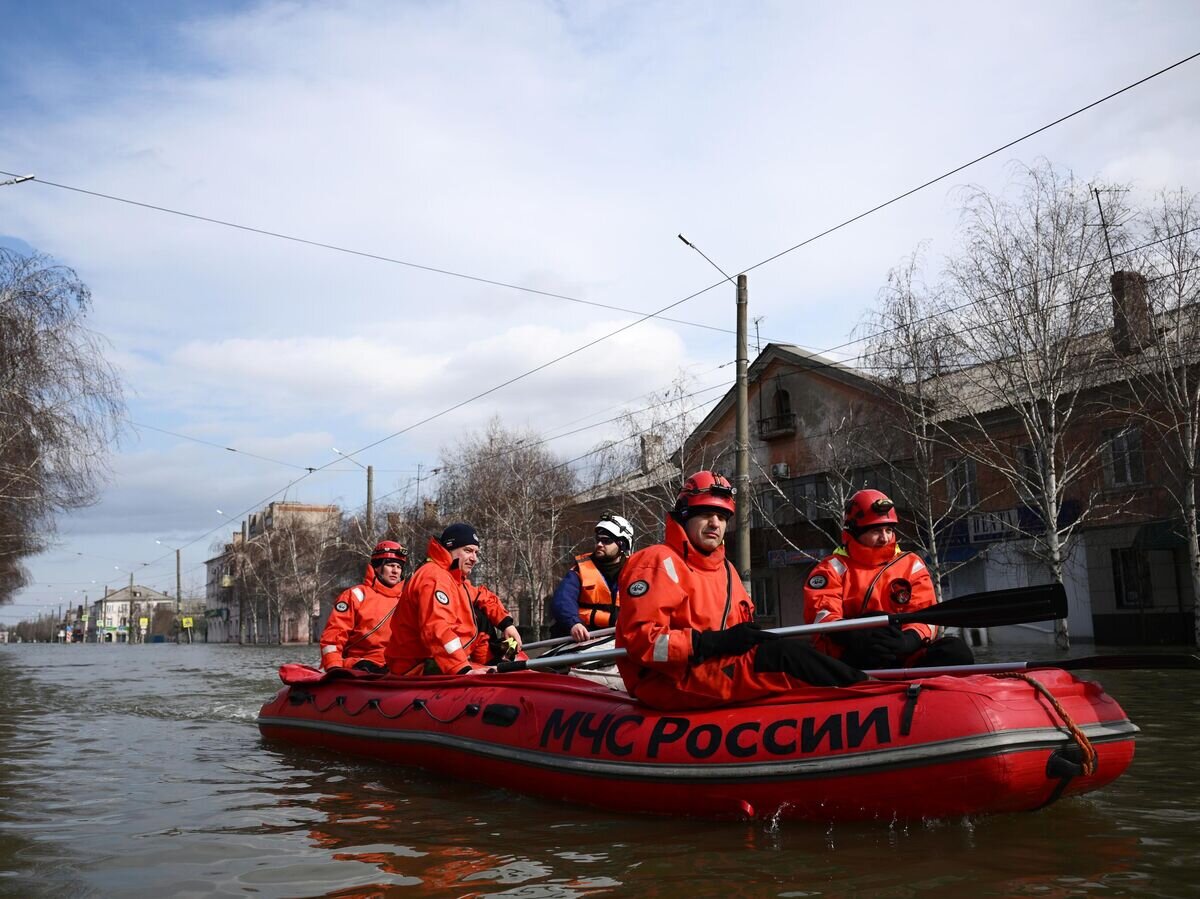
555, 146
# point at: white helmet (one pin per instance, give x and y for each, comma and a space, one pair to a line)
618, 527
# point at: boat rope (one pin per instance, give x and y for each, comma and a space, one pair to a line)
469, 709
1085, 745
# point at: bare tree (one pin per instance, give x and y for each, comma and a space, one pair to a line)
283, 573
60, 406
908, 348
513, 490
845, 464
640, 471
1156, 347
1027, 311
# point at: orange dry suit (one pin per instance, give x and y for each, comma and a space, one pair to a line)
436, 630
360, 624
668, 591
858, 581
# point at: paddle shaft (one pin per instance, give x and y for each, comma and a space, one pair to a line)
976, 610
566, 661
559, 641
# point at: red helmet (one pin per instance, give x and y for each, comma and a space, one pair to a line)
705, 488
389, 551
868, 509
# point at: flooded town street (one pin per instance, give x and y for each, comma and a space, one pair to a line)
139, 771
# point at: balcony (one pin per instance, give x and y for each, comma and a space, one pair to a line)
782, 425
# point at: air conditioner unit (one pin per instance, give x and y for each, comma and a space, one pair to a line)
780, 470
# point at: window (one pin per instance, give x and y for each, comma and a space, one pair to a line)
880, 478
1123, 464
961, 489
1029, 473
763, 512
810, 496
783, 402
1131, 579
766, 604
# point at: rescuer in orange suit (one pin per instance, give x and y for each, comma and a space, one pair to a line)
587, 596
360, 621
444, 623
686, 622
870, 575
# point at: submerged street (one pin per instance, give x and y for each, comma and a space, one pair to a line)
139, 771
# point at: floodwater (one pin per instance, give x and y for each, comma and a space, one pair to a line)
139, 771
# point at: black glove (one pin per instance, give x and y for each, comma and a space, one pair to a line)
732, 642
891, 642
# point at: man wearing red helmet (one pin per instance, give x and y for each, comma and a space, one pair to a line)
686, 622
870, 575
360, 622
444, 623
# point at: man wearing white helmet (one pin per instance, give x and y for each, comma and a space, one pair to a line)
587, 596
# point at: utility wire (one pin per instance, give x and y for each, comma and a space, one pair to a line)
658, 314
815, 367
141, 425
450, 273
643, 316
966, 165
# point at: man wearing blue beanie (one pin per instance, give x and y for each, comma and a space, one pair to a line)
444, 623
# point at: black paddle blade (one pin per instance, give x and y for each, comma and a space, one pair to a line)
1147, 662
996, 608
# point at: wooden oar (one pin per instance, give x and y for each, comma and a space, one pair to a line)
992, 609
559, 641
1147, 662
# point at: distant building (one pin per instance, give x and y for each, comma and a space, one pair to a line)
236, 613
111, 617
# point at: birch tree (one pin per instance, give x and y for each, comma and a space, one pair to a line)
1027, 309
908, 348
1159, 354
642, 469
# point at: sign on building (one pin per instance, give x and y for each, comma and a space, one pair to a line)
985, 527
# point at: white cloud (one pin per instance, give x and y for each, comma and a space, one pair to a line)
559, 147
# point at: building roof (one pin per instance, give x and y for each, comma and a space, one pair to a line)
796, 357
140, 594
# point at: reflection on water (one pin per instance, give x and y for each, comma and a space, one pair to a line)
138, 771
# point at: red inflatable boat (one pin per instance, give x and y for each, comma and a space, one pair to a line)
943, 746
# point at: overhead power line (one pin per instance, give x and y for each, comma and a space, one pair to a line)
643, 316
558, 296
977, 159
378, 257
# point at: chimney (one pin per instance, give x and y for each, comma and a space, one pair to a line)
1131, 313
652, 452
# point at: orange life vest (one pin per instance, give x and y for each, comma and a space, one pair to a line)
597, 605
